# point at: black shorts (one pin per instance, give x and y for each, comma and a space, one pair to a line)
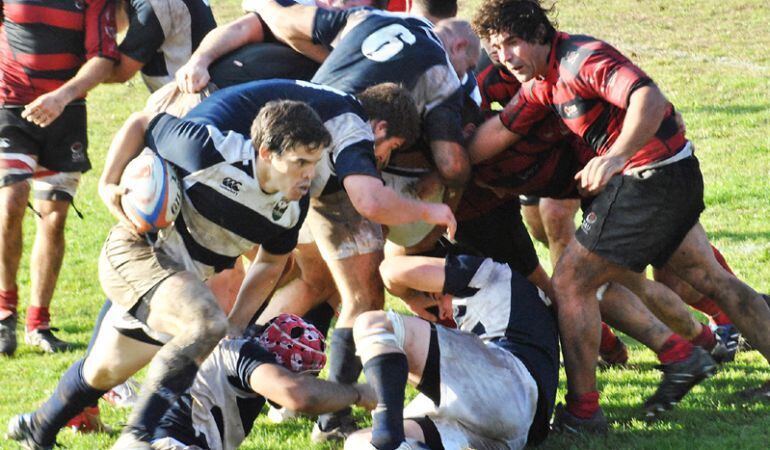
529, 200
641, 219
501, 235
261, 61
61, 146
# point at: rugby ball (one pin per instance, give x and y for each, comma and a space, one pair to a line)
153, 197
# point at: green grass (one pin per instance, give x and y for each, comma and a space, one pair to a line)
710, 58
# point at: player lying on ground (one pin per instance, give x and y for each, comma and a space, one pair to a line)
648, 188
157, 280
241, 374
490, 384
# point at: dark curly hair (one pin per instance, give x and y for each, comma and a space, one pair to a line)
394, 104
525, 19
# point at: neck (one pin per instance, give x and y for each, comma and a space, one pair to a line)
262, 172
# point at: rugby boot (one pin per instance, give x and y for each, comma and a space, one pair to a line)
678, 378
8, 335
617, 356
20, 430
728, 338
44, 339
347, 426
565, 422
281, 415
123, 395
88, 421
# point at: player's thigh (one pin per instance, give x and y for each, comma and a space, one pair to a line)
183, 304
694, 260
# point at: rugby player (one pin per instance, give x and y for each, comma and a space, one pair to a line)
238, 192
51, 55
506, 347
645, 169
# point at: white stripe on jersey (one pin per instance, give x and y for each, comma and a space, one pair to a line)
175, 20
491, 305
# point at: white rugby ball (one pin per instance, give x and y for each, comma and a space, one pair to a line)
153, 198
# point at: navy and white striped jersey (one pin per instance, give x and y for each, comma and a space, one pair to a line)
352, 149
371, 47
163, 34
224, 210
501, 306
219, 410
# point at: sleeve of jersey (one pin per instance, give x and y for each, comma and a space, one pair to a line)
444, 121
612, 76
285, 241
353, 146
100, 30
145, 33
185, 144
459, 271
328, 24
520, 114
250, 356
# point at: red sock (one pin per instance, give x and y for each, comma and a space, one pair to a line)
9, 300
706, 339
609, 340
721, 260
583, 406
675, 349
711, 309
38, 317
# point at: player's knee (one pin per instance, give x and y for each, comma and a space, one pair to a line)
378, 332
13, 199
102, 374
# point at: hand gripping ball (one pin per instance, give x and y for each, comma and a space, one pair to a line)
296, 344
153, 198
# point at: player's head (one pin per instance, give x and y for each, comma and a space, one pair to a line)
434, 10
394, 117
296, 344
289, 139
462, 45
347, 4
519, 31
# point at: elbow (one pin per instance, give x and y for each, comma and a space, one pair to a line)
455, 174
368, 207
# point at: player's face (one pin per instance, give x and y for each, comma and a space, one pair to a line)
523, 59
293, 170
384, 147
464, 59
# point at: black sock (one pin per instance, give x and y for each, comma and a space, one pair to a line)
321, 316
72, 394
387, 374
166, 381
344, 367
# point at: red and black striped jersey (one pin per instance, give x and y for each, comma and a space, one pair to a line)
496, 85
589, 84
43, 43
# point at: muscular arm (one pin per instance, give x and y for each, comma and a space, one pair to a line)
193, 76
646, 110
259, 282
383, 205
491, 138
451, 162
125, 69
421, 273
292, 25
46, 108
307, 394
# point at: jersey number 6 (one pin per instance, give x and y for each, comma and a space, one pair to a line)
386, 42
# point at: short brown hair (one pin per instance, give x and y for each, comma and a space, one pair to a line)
524, 19
285, 124
395, 105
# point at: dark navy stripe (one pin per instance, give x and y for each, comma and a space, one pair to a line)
200, 253
183, 143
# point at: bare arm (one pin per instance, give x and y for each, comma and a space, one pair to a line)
451, 162
490, 139
257, 286
127, 143
292, 25
46, 108
646, 109
382, 204
125, 69
193, 76
308, 394
418, 281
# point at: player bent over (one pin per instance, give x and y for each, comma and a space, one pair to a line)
157, 280
492, 382
241, 374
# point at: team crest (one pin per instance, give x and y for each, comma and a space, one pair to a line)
588, 222
78, 153
570, 110
280, 207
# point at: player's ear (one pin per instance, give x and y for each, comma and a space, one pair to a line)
263, 152
380, 129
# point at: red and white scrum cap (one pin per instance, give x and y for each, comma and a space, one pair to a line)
296, 344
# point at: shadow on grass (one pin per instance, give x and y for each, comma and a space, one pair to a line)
726, 109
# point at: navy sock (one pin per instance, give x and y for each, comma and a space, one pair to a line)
387, 374
321, 316
344, 367
166, 381
72, 394
98, 324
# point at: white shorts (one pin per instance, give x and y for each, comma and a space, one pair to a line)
488, 397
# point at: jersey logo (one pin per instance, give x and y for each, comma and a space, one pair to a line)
231, 185
5, 143
387, 42
279, 209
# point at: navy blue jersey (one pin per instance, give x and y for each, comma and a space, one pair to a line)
163, 34
501, 306
352, 148
220, 408
372, 47
224, 210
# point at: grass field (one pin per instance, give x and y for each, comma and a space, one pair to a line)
711, 59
